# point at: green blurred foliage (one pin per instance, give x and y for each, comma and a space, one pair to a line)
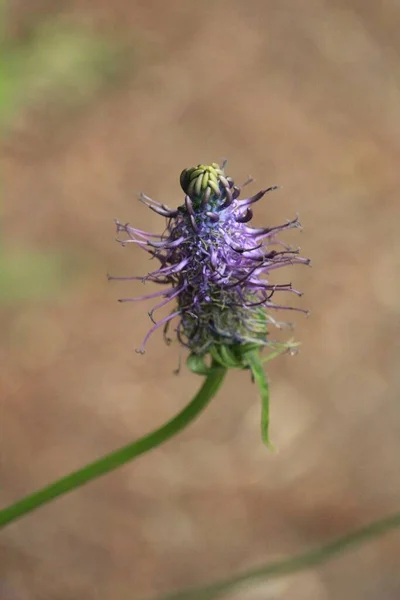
61, 65
33, 276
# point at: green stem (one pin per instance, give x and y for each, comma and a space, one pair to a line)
119, 457
293, 564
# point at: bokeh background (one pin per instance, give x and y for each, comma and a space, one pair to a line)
102, 100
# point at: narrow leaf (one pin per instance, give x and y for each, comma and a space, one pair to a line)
261, 381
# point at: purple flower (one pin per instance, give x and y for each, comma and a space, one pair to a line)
213, 266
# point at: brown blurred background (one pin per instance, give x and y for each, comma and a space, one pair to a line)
104, 99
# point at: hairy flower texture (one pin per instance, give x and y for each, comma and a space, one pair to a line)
214, 265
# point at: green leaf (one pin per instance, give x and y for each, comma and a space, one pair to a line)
260, 378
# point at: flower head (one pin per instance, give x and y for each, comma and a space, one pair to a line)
214, 267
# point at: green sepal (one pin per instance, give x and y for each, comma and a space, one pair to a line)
280, 348
224, 356
197, 364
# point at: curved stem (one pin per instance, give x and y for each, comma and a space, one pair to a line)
116, 459
293, 564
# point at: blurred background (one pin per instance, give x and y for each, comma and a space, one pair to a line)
102, 100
